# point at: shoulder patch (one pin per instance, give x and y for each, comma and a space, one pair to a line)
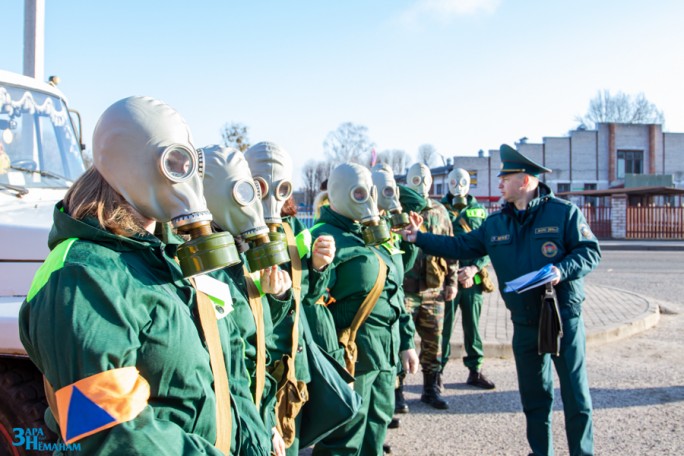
585, 231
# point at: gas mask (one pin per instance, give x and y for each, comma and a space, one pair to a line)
388, 195
353, 195
235, 202
419, 178
271, 168
143, 149
459, 186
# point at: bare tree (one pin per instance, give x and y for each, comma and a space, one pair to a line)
427, 154
622, 108
397, 159
349, 143
234, 134
315, 172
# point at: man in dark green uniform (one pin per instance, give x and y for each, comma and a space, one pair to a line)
466, 215
534, 229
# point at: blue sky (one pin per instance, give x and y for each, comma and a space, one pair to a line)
461, 75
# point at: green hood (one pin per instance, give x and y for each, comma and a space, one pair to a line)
65, 227
411, 200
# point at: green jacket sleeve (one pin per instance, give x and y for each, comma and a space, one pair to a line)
583, 249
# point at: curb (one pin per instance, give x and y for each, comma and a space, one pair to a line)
632, 246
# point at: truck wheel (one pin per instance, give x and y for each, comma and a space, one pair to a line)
22, 407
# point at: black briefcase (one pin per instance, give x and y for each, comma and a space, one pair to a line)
550, 326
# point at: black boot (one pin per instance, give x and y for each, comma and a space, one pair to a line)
431, 394
400, 405
386, 448
477, 378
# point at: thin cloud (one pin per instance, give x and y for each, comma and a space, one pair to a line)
445, 10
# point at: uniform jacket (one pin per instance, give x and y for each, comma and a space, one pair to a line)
354, 271
313, 287
473, 214
436, 220
103, 302
551, 230
244, 320
392, 250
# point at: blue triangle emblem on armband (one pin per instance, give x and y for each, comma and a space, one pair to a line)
84, 415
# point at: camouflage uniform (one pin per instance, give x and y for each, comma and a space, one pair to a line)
424, 288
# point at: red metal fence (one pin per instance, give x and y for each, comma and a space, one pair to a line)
651, 222
598, 218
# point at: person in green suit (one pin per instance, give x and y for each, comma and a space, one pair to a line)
110, 319
352, 220
535, 229
271, 168
466, 215
260, 291
391, 211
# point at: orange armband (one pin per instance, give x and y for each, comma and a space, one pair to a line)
98, 402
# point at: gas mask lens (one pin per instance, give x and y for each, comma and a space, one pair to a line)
178, 163
388, 192
283, 190
416, 180
244, 192
359, 194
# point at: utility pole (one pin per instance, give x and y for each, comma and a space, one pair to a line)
34, 39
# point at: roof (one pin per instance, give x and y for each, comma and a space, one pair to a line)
626, 191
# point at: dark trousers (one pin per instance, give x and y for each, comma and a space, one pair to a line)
535, 382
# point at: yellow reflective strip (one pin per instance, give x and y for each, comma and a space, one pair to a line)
476, 213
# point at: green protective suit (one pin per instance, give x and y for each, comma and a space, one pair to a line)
103, 302
550, 230
354, 272
313, 287
469, 300
244, 320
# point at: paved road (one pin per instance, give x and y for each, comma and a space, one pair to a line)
637, 383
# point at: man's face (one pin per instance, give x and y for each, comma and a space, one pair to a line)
511, 186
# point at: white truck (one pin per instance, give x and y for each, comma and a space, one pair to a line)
40, 157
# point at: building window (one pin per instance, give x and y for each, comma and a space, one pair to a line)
438, 189
629, 162
562, 187
473, 178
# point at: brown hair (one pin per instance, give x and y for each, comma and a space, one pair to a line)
92, 196
289, 208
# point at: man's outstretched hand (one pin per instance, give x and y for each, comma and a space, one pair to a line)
409, 233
